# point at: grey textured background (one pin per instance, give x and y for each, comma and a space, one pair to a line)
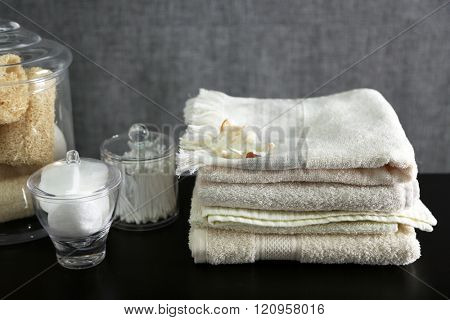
169, 49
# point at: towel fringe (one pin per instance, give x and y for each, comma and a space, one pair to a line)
207, 109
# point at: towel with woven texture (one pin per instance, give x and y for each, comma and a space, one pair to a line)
217, 246
348, 130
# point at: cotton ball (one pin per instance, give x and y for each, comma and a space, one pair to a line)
94, 176
79, 219
60, 180
74, 179
75, 218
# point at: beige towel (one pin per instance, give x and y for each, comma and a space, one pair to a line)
302, 196
362, 177
216, 246
352, 129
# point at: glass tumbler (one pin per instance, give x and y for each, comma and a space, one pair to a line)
74, 200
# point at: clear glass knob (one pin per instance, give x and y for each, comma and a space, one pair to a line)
6, 25
138, 132
72, 157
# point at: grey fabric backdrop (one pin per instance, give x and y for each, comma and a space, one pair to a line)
169, 49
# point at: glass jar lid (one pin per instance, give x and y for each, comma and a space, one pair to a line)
138, 144
20, 47
74, 178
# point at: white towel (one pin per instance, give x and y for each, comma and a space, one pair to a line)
353, 129
216, 246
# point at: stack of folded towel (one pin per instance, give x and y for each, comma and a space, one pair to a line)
338, 185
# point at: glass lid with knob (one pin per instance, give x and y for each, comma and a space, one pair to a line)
22, 47
74, 178
138, 144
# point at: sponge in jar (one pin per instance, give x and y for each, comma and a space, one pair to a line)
30, 140
15, 201
13, 94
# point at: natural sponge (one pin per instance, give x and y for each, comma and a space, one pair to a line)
30, 140
15, 201
13, 96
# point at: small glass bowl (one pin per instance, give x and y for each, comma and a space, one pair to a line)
75, 200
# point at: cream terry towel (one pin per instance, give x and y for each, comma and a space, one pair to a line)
353, 129
241, 220
216, 246
263, 221
309, 196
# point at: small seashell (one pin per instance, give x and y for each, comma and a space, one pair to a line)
224, 124
236, 142
251, 155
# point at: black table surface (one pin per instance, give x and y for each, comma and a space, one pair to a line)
158, 265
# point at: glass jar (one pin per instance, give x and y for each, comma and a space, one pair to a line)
148, 194
74, 200
36, 125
